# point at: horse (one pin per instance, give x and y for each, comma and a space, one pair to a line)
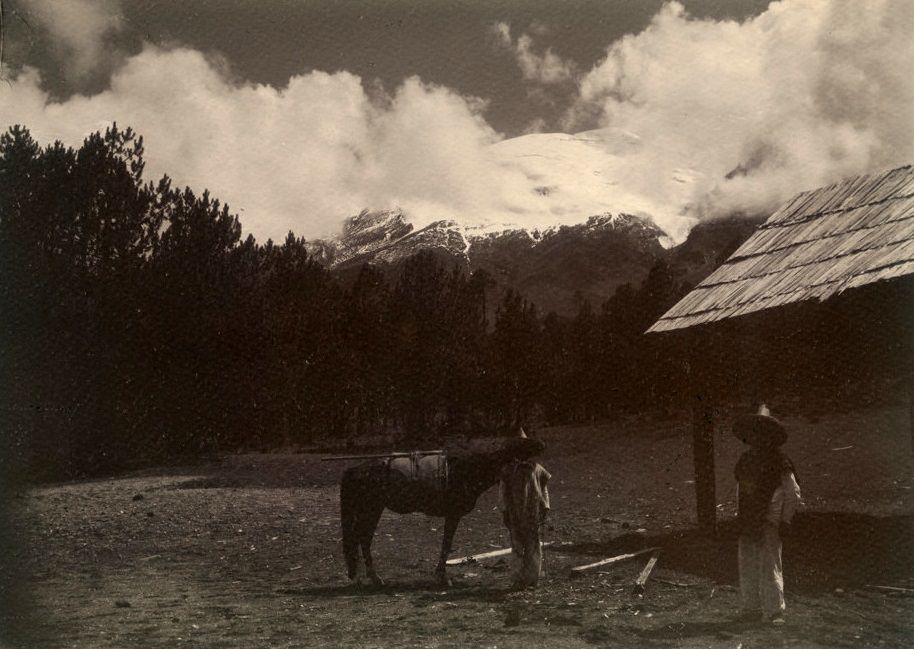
367, 489
524, 501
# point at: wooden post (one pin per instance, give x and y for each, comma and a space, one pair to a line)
703, 436
911, 409
703, 455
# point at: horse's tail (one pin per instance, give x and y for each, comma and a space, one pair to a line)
349, 522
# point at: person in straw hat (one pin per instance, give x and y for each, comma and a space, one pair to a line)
768, 496
523, 497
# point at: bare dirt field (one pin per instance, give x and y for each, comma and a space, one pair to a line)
245, 552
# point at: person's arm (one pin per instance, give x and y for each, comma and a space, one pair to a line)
543, 479
791, 492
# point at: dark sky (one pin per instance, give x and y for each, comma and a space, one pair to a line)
446, 43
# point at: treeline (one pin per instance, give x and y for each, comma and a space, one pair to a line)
139, 325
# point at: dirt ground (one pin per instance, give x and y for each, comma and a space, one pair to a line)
245, 552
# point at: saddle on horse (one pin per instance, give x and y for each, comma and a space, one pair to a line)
425, 469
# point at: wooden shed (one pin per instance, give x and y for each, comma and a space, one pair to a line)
835, 246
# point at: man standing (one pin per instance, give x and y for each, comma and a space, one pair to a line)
524, 501
768, 496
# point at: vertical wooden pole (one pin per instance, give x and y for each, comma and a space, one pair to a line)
703, 457
910, 377
911, 409
905, 324
703, 436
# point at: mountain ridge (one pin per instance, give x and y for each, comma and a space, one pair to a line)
557, 267
575, 224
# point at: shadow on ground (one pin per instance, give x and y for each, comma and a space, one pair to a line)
826, 550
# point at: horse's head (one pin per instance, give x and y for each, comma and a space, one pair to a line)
523, 448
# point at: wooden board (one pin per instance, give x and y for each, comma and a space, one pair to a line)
612, 560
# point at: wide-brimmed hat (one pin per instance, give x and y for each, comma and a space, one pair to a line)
760, 429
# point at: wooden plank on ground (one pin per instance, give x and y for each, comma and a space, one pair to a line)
496, 553
645, 573
612, 560
891, 589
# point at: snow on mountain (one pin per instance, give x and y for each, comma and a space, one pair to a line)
369, 232
557, 179
576, 229
577, 176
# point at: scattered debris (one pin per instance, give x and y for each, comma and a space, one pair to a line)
150, 557
139, 497
294, 568
843, 448
612, 560
122, 603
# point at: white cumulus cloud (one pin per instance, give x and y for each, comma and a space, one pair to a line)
799, 96
698, 118
301, 157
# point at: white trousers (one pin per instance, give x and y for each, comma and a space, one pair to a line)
761, 575
527, 554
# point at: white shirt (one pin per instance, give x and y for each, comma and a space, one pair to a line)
785, 500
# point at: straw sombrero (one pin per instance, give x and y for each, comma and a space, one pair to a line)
760, 429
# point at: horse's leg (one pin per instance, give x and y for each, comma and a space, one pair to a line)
350, 502
368, 525
450, 527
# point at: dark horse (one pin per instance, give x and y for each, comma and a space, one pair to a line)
367, 489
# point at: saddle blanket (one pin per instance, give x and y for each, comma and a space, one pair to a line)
427, 469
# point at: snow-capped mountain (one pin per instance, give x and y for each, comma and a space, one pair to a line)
576, 231
556, 267
567, 178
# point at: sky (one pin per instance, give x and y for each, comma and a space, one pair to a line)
301, 113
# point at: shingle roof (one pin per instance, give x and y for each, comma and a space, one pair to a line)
820, 243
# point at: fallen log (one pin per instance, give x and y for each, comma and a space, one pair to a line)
645, 573
612, 560
495, 553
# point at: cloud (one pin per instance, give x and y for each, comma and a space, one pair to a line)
302, 157
799, 96
502, 33
80, 30
698, 118
545, 68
